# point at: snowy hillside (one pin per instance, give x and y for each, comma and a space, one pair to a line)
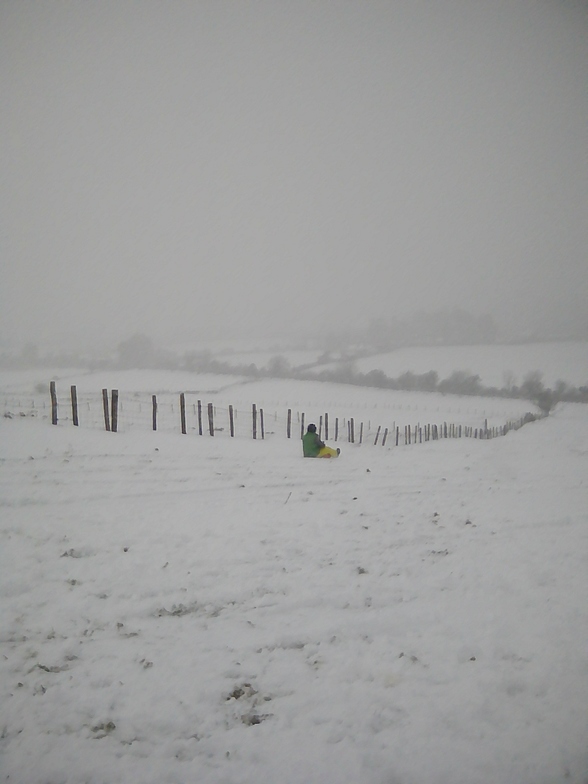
495, 364
194, 609
566, 361
372, 407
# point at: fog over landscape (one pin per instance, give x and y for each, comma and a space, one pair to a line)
253, 169
230, 230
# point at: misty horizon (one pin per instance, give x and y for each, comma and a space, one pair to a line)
251, 170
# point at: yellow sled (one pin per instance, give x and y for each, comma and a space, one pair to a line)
327, 451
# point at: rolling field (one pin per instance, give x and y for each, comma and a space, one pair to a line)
183, 608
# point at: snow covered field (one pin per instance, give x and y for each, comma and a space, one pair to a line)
566, 360
19, 395
556, 361
213, 610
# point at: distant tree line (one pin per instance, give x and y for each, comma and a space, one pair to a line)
456, 327
30, 357
139, 352
460, 382
443, 328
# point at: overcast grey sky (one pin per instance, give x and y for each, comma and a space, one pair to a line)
232, 168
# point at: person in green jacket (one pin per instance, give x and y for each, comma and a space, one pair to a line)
312, 446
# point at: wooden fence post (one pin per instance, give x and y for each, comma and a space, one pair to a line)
361, 433
385, 437
183, 412
336, 428
53, 403
377, 435
352, 430
154, 405
74, 405
397, 434
320, 433
114, 411
326, 427
200, 417
289, 425
231, 422
254, 416
261, 424
105, 407
302, 425
211, 419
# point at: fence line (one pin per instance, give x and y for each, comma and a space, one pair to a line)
115, 412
